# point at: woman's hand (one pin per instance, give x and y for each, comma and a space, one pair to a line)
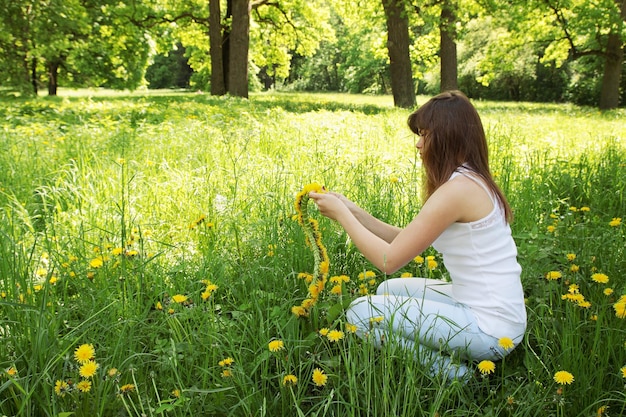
331, 205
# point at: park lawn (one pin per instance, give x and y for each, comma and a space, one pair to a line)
150, 257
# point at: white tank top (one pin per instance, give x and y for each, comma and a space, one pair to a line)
481, 258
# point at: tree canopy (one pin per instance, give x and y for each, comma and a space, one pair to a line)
539, 50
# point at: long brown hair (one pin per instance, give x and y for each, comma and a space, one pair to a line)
453, 136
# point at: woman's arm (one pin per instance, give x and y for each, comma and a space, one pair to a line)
381, 229
445, 206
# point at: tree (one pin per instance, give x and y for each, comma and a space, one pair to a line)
402, 86
83, 42
447, 47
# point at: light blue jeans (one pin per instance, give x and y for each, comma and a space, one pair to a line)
421, 315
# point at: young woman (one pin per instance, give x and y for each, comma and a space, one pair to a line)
480, 314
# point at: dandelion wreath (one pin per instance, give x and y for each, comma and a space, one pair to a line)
313, 240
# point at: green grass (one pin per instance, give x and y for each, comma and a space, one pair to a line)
112, 204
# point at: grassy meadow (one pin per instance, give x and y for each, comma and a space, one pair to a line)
150, 258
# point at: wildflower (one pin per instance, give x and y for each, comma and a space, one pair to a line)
506, 343
11, 371
486, 367
366, 275
96, 262
585, 208
406, 275
551, 229
290, 380
418, 260
553, 275
276, 345
336, 289
376, 319
608, 291
158, 306
601, 410
623, 371
615, 222
112, 373
61, 388
432, 264
126, 389
571, 256
226, 362
351, 328
600, 278
299, 311
319, 377
335, 335
84, 353
563, 377
117, 251
179, 298
620, 307
574, 268
88, 369
227, 373
175, 393
84, 386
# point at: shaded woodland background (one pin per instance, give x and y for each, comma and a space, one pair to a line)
536, 50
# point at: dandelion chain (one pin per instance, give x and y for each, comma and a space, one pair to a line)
313, 240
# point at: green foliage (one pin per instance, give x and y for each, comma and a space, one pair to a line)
119, 212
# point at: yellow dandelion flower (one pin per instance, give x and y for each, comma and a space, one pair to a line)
486, 367
12, 371
179, 298
226, 362
126, 389
175, 393
227, 373
563, 378
377, 319
620, 307
406, 275
112, 372
335, 335
84, 353
574, 268
608, 291
551, 229
351, 328
96, 262
553, 275
276, 345
623, 371
117, 251
336, 289
571, 256
290, 380
506, 343
324, 331
615, 222
84, 386
88, 369
299, 311
319, 377
600, 278
418, 259
61, 388
431, 264
158, 306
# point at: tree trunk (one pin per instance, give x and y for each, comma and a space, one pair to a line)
33, 75
239, 44
53, 78
402, 86
609, 94
447, 49
218, 86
